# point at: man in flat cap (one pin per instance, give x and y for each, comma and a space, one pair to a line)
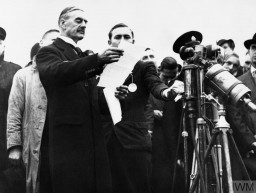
7, 71
241, 120
77, 152
227, 45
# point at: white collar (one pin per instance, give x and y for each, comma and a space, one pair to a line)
253, 69
68, 40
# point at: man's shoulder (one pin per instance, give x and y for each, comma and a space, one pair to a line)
21, 73
11, 65
140, 65
244, 76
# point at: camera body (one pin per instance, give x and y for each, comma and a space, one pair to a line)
198, 53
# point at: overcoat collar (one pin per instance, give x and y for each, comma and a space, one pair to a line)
67, 49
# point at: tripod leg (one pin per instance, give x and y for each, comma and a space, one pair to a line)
217, 161
227, 160
202, 182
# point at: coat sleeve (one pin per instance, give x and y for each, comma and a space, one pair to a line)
54, 70
15, 111
152, 80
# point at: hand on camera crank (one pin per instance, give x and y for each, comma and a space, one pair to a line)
176, 89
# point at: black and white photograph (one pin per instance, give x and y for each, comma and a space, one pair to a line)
118, 96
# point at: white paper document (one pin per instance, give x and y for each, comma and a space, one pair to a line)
115, 73
113, 104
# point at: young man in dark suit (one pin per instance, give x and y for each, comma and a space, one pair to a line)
241, 120
77, 152
129, 146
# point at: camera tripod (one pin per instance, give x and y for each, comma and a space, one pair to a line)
206, 142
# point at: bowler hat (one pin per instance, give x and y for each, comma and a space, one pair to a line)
191, 37
2, 33
249, 42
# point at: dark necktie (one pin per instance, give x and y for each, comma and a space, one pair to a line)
79, 52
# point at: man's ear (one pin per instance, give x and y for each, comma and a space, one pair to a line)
62, 24
109, 42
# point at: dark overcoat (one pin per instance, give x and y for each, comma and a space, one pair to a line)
243, 124
78, 158
7, 71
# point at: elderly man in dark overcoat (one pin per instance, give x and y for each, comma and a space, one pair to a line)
77, 152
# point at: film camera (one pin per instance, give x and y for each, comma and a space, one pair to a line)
216, 77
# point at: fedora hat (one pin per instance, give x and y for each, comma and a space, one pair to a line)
249, 42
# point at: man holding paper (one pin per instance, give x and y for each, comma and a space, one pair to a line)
77, 152
129, 146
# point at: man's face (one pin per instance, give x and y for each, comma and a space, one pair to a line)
74, 26
2, 46
226, 48
231, 64
167, 75
120, 34
49, 38
247, 63
149, 55
252, 53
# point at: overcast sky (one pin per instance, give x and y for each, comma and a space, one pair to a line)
156, 23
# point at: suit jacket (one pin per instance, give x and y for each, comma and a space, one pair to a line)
7, 71
78, 158
132, 130
241, 120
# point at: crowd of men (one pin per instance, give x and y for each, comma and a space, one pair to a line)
56, 131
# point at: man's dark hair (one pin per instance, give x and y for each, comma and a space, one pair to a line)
50, 31
118, 26
64, 13
169, 63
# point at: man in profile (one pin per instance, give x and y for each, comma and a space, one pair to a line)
7, 71
77, 153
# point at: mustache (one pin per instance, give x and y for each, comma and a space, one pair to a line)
81, 29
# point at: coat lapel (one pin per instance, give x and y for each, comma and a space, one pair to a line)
250, 83
67, 49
